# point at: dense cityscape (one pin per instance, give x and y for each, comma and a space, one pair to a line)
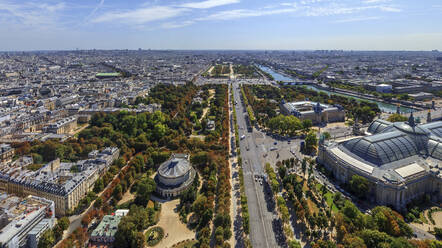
169, 148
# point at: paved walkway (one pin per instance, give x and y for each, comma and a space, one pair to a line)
174, 230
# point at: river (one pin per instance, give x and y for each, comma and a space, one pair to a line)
384, 107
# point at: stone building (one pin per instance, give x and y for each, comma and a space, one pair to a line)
63, 126
401, 161
23, 220
6, 153
174, 176
56, 182
314, 111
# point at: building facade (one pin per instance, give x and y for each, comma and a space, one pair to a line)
63, 126
401, 161
24, 219
314, 111
56, 182
174, 176
6, 153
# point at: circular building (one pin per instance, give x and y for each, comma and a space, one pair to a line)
174, 176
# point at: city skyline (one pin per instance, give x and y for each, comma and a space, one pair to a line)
221, 24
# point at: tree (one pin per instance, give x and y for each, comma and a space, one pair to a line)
326, 135
144, 190
350, 210
63, 222
125, 234
117, 193
438, 232
397, 118
359, 185
310, 142
374, 238
304, 165
351, 241
139, 240
98, 186
47, 239
98, 203
294, 244
307, 124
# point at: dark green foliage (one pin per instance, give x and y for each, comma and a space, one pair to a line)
132, 225
144, 189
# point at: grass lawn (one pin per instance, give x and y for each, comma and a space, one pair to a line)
329, 199
423, 218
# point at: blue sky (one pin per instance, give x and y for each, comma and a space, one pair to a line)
221, 24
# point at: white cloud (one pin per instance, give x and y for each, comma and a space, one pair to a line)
140, 16
340, 10
241, 13
52, 7
31, 14
170, 25
358, 19
376, 1
389, 9
208, 4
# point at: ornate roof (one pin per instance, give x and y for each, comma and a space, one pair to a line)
383, 148
177, 166
378, 126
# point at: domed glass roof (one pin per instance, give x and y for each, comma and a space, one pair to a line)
378, 126
385, 148
174, 167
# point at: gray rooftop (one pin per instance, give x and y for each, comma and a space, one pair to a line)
397, 150
176, 166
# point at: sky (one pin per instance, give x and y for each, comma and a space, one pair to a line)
221, 24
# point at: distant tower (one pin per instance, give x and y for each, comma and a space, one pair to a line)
429, 116
318, 111
411, 121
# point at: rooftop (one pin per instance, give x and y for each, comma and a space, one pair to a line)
108, 226
176, 166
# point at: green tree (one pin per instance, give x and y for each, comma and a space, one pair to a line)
144, 190
47, 239
397, 118
359, 185
63, 222
98, 186
98, 203
118, 192
294, 244
310, 142
307, 124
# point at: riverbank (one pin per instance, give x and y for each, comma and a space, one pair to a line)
383, 105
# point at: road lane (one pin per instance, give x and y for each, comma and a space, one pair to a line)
261, 218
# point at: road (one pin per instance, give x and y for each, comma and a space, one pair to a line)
262, 217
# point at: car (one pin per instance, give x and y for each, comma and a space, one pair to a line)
273, 148
243, 137
275, 143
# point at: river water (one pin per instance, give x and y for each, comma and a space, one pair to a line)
384, 107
